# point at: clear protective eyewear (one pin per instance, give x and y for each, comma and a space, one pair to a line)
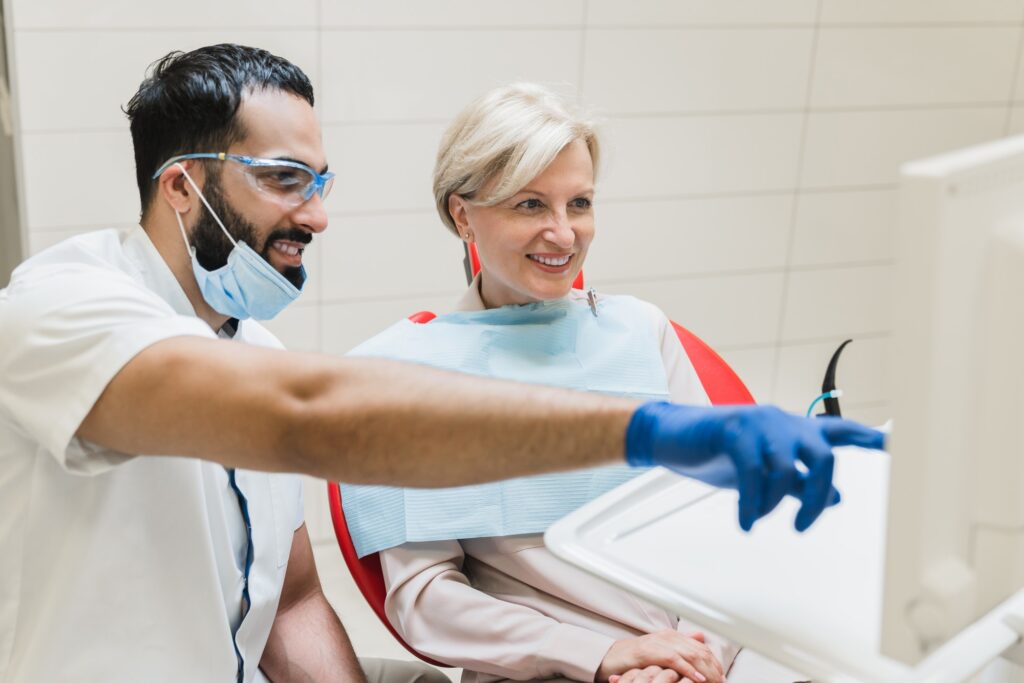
290, 182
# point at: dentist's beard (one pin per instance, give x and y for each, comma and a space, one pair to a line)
212, 245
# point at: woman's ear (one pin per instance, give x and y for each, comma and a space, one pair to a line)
457, 207
173, 188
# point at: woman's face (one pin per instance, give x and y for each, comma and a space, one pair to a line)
532, 245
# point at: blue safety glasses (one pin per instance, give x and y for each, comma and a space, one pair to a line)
289, 182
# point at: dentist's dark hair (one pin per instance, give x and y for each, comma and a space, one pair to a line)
189, 101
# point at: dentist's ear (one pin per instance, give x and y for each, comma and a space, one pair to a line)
175, 190
457, 209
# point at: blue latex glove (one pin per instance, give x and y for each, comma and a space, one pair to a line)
754, 449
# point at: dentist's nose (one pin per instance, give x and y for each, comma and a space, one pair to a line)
311, 214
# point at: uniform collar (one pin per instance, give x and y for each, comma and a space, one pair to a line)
158, 278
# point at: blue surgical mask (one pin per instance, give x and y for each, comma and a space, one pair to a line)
247, 286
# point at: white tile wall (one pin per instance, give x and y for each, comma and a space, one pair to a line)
358, 14
835, 228
112, 79
390, 255
850, 148
101, 167
381, 167
921, 66
672, 156
432, 74
837, 301
79, 16
920, 11
659, 239
751, 150
714, 70
683, 12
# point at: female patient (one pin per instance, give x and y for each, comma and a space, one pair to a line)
469, 582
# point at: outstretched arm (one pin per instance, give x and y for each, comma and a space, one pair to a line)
355, 420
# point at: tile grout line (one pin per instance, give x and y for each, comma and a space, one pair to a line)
623, 116
581, 72
1013, 79
794, 210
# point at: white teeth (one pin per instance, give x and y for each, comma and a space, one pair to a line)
547, 261
287, 249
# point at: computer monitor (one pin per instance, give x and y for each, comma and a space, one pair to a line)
955, 544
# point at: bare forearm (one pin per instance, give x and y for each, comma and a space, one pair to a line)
355, 420
308, 644
386, 422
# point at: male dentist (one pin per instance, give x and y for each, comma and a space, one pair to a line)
149, 530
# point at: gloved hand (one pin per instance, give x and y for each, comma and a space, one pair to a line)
754, 449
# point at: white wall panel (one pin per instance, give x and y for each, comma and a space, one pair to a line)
1015, 121
920, 11
845, 149
382, 167
696, 70
921, 66
836, 302
844, 227
95, 174
180, 14
99, 85
725, 310
688, 236
674, 156
416, 75
661, 13
390, 255
451, 13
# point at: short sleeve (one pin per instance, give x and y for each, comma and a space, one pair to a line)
67, 330
684, 384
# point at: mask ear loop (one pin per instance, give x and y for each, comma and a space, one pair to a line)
213, 213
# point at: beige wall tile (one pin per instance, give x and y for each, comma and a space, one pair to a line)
844, 227
659, 13
845, 149
452, 13
673, 156
416, 75
696, 70
866, 67
837, 302
643, 239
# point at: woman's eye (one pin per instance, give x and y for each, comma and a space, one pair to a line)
529, 204
581, 203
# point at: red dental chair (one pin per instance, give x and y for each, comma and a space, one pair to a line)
722, 385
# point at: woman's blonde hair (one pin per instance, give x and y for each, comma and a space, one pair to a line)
510, 135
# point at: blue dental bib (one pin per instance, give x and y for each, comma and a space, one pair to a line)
556, 343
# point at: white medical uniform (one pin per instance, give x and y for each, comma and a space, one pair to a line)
117, 568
